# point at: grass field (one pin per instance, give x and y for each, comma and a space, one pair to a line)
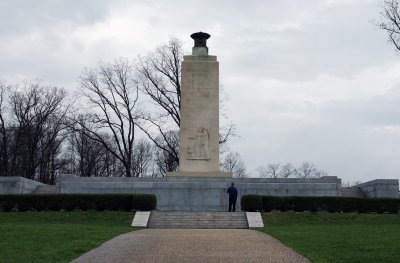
57, 236
321, 237
338, 237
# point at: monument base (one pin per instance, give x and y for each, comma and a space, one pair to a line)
190, 193
187, 193
218, 174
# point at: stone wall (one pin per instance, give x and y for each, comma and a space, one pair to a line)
199, 194
381, 188
17, 185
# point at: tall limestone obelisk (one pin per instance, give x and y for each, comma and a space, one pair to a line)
199, 131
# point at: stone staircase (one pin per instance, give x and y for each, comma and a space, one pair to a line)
353, 192
46, 189
198, 220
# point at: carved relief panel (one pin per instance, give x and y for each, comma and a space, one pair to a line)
198, 146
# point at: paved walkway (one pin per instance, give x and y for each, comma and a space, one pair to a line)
192, 245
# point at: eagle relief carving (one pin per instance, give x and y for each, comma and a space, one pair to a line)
198, 145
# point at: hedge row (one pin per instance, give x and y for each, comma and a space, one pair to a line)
322, 203
69, 202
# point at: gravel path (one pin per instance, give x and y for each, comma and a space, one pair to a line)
192, 245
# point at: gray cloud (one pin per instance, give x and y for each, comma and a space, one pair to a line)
20, 17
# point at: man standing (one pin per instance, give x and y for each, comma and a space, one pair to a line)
232, 191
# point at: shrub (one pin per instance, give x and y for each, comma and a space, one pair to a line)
69, 202
320, 203
251, 203
270, 203
144, 202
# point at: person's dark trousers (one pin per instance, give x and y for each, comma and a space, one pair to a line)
232, 204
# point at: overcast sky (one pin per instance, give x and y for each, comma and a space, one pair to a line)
310, 80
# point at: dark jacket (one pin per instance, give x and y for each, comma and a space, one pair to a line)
232, 191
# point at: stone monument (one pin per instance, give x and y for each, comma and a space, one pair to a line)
193, 188
199, 131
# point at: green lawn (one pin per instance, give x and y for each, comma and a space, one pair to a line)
57, 236
321, 237
338, 237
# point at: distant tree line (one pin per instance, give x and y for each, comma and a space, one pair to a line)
304, 170
32, 130
234, 164
43, 134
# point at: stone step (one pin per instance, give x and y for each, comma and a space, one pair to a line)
198, 220
194, 225
236, 214
199, 213
199, 227
199, 217
197, 224
353, 192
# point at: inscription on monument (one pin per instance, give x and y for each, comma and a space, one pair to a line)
198, 146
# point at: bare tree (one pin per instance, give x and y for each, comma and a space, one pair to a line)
309, 170
37, 132
89, 153
390, 21
234, 164
306, 170
160, 76
87, 157
164, 160
142, 158
50, 149
160, 80
262, 171
112, 90
320, 173
287, 170
3, 134
269, 171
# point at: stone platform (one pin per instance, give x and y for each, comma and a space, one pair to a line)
18, 185
185, 193
199, 193
198, 220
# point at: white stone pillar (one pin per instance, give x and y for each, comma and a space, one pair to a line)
199, 134
199, 130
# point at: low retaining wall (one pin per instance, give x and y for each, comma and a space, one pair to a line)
197, 193
203, 194
381, 188
17, 185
